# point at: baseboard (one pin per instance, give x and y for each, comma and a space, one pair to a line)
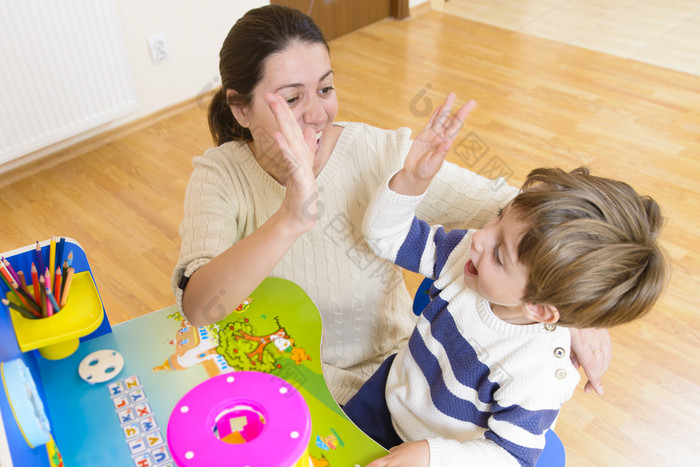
33, 165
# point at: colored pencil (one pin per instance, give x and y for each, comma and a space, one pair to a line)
23, 282
52, 257
6, 264
47, 291
6, 275
25, 295
70, 258
35, 284
14, 288
57, 285
66, 287
64, 272
51, 299
59, 251
7, 280
26, 299
44, 302
39, 257
18, 308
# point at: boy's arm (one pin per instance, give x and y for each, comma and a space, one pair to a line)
394, 233
429, 148
389, 226
514, 437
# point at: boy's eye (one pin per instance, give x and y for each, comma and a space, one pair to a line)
496, 256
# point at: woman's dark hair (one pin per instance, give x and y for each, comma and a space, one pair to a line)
258, 34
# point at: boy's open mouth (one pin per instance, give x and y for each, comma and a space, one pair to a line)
470, 270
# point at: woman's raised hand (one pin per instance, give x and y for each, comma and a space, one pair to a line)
430, 147
297, 149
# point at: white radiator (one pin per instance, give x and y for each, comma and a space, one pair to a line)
63, 69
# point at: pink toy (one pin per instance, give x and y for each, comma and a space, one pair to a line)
244, 418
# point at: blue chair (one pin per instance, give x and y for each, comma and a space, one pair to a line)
553, 454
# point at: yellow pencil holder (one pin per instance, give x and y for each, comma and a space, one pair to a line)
58, 336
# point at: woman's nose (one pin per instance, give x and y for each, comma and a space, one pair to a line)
314, 113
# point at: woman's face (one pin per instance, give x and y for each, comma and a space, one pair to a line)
302, 76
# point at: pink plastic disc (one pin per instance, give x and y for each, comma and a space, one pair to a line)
244, 418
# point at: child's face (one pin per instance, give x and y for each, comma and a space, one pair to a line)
493, 271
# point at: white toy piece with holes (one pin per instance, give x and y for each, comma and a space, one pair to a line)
101, 366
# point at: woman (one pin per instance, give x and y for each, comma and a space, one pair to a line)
254, 210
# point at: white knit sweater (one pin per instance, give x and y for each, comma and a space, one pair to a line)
364, 305
481, 391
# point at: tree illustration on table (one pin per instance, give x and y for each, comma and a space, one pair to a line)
244, 350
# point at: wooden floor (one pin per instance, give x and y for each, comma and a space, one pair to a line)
660, 32
541, 103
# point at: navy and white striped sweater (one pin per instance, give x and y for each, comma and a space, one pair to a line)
480, 390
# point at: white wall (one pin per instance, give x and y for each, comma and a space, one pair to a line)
194, 30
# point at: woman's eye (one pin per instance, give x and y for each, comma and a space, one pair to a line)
327, 90
291, 100
496, 256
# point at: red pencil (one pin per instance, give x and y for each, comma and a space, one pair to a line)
57, 285
35, 284
6, 274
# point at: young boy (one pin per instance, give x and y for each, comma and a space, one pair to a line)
487, 367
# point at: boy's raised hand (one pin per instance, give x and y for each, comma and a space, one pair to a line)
429, 148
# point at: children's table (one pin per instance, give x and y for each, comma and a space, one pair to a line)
110, 402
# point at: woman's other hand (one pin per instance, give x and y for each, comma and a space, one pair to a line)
591, 349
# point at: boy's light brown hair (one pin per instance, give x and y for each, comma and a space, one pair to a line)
591, 248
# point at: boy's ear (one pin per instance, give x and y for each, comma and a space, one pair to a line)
541, 312
240, 112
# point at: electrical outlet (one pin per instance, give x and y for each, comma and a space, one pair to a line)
159, 48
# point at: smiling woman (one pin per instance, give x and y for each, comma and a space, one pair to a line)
310, 95
284, 193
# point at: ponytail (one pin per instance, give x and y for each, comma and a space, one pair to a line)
222, 124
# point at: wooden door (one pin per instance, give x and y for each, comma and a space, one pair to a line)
338, 17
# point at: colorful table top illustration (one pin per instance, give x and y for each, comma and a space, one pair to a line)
124, 421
